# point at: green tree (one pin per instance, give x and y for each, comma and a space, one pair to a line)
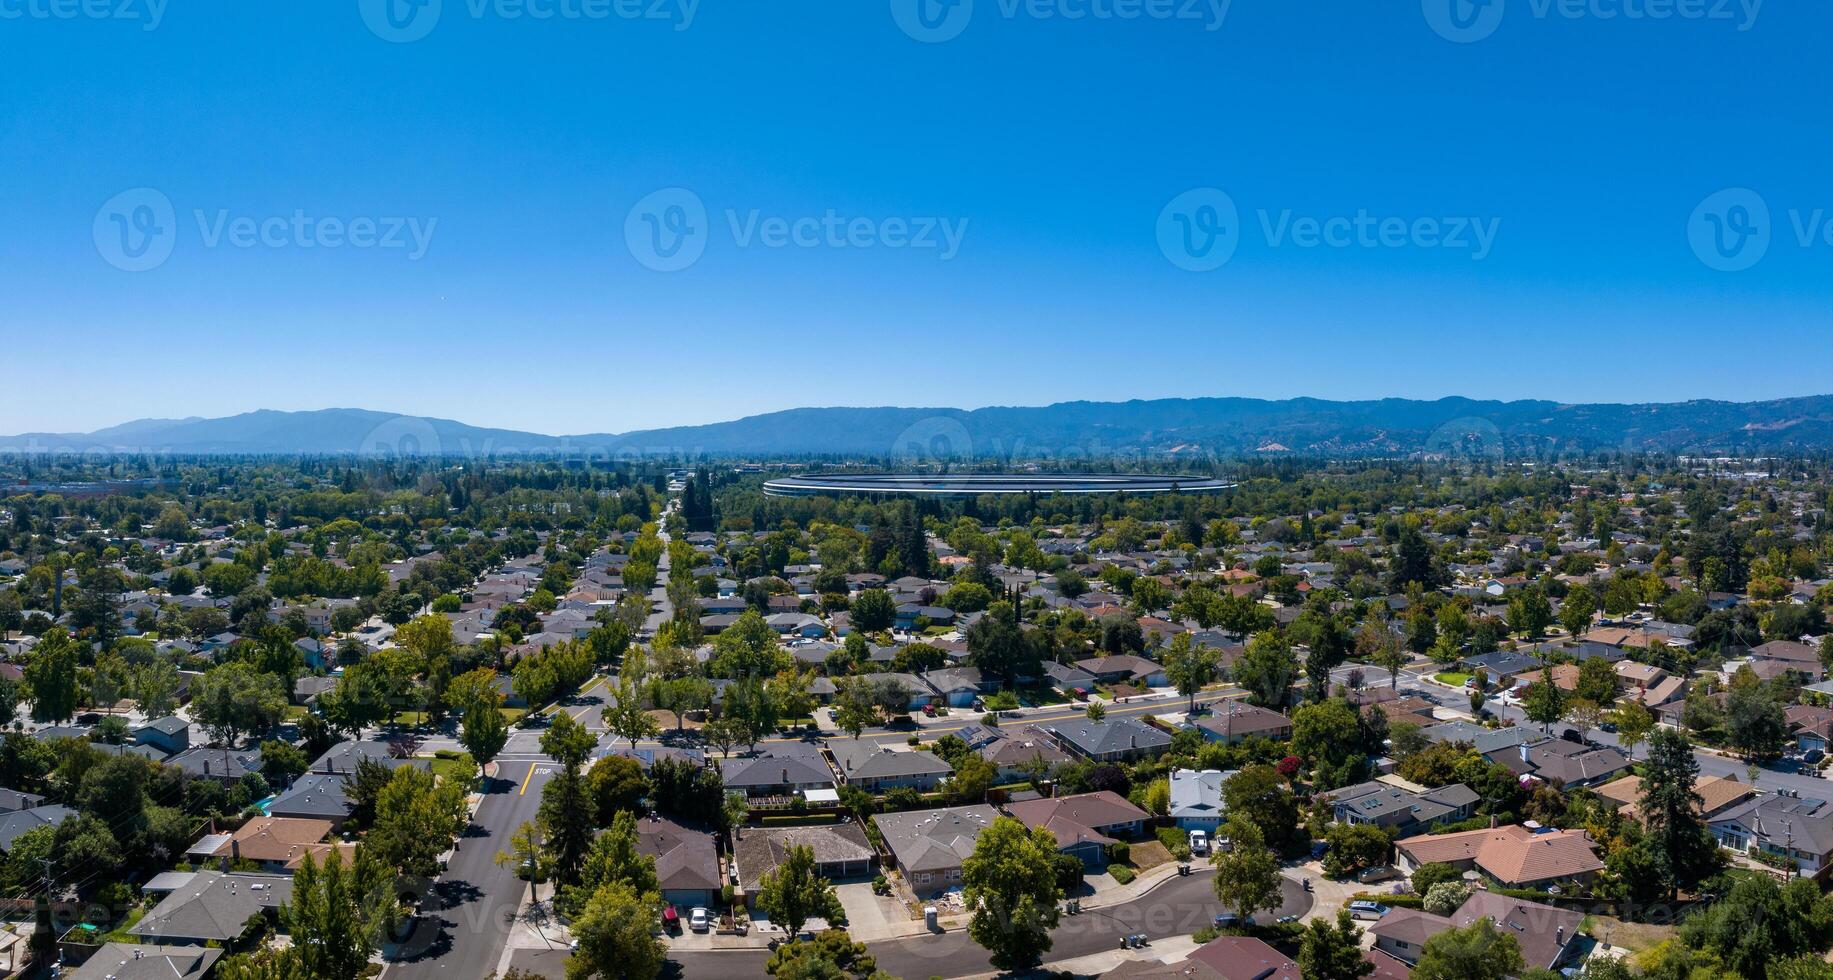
1247, 873
616, 783
483, 732
50, 674
1333, 952
1755, 723
854, 708
1478, 951
1597, 681
1545, 703
616, 934
625, 716
832, 955
235, 698
1634, 723
155, 688
1322, 735
1684, 848
1010, 883
872, 611
1529, 613
614, 858
1576, 610
338, 916
416, 818
794, 891
1189, 667
1267, 670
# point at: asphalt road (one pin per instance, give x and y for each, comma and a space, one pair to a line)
465, 922
1178, 907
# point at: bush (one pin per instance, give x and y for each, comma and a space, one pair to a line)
1205, 935
1435, 873
1069, 871
1121, 873
1170, 836
989, 719
1446, 897
1119, 852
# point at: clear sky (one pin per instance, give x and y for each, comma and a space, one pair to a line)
548, 287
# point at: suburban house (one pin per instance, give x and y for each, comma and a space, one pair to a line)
1083, 824
1501, 668
917, 692
959, 686
1485, 740
1390, 807
781, 772
1229, 722
1717, 794
1125, 669
1115, 740
15, 824
277, 844
139, 961
1068, 679
1788, 656
1782, 826
1196, 798
226, 766
343, 758
211, 906
315, 796
170, 735
841, 850
1243, 958
875, 767
687, 861
1013, 754
929, 845
1548, 936
1811, 725
1567, 763
1514, 856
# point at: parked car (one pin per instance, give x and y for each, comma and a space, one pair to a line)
698, 920
1381, 873
1199, 842
1227, 919
1363, 909
1813, 757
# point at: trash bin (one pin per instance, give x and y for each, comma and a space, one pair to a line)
929, 917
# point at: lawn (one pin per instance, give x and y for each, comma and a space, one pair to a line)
1455, 678
452, 765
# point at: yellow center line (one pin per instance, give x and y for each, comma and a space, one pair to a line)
525, 780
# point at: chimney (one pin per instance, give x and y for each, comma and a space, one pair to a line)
1559, 936
785, 777
1524, 757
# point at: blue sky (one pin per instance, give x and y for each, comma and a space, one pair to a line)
1052, 145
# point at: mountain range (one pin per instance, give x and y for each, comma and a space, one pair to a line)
1169, 427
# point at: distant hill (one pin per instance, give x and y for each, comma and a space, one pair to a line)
1069, 430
